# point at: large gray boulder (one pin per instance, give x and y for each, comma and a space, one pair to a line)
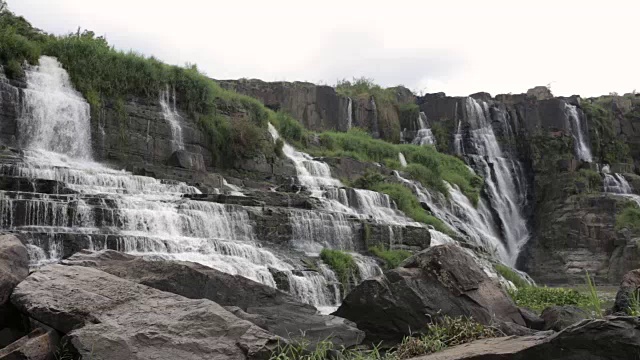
106, 317
442, 280
14, 265
271, 309
628, 287
560, 317
597, 339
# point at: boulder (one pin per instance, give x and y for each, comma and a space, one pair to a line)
442, 280
629, 285
531, 319
560, 317
596, 339
107, 317
14, 265
271, 309
39, 344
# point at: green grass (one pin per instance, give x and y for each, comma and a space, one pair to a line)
629, 218
425, 162
409, 204
539, 298
511, 275
595, 304
342, 264
392, 258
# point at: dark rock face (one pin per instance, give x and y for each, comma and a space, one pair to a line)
599, 339
531, 319
14, 265
629, 287
266, 307
37, 345
442, 280
106, 317
560, 317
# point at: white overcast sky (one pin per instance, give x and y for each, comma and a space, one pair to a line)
460, 47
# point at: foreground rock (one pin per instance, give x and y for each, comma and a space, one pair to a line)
442, 280
271, 309
599, 339
560, 317
37, 345
628, 287
106, 317
14, 265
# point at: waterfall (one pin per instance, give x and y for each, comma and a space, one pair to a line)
457, 212
424, 135
458, 141
171, 115
108, 208
403, 161
54, 116
367, 267
617, 184
502, 176
349, 114
578, 131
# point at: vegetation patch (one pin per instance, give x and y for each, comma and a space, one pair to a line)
342, 264
629, 217
604, 140
539, 298
392, 258
509, 274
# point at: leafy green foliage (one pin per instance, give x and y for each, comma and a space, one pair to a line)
539, 298
425, 162
629, 217
604, 140
446, 332
594, 300
341, 263
392, 258
442, 133
511, 275
289, 128
299, 350
365, 88
409, 204
634, 304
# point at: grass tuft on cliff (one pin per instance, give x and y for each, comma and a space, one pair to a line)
511, 275
342, 263
392, 258
539, 298
629, 217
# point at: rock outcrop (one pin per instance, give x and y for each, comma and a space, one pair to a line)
629, 287
442, 280
560, 317
267, 307
598, 339
14, 265
39, 344
106, 317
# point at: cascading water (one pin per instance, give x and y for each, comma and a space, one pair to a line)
172, 116
403, 161
458, 142
53, 112
580, 138
424, 135
618, 185
106, 208
503, 179
349, 114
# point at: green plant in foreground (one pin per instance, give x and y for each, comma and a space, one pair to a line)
392, 258
446, 332
594, 300
634, 303
539, 298
629, 217
341, 263
511, 275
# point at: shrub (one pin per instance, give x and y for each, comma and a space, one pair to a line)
392, 258
539, 298
446, 332
511, 275
278, 146
342, 264
629, 218
409, 204
289, 128
594, 300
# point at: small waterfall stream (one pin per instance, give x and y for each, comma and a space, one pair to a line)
579, 133
424, 135
172, 116
619, 186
